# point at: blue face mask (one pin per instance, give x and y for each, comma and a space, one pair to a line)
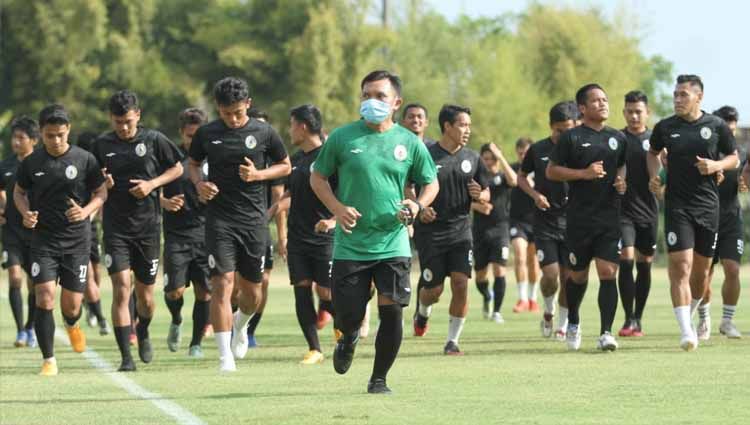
374, 111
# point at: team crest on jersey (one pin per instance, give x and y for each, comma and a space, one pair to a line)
706, 133
107, 260
35, 269
427, 275
399, 152
539, 255
140, 149
573, 259
497, 180
251, 142
211, 261
71, 172
646, 144
513, 231
205, 168
613, 143
671, 238
466, 166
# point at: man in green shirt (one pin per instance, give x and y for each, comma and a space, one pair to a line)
373, 158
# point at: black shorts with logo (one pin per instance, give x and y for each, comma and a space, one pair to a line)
492, 246
138, 254
268, 263
436, 266
236, 249
521, 229
185, 262
552, 250
586, 244
682, 231
641, 236
730, 244
16, 252
350, 282
70, 269
313, 267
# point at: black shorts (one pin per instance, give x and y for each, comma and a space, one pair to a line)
641, 236
523, 230
316, 268
586, 244
492, 247
350, 282
552, 251
139, 254
682, 231
268, 263
17, 253
435, 267
730, 244
236, 249
185, 263
95, 254
70, 269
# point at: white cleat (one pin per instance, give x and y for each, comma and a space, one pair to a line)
498, 318
573, 337
560, 335
547, 328
227, 365
239, 341
689, 343
607, 342
728, 329
704, 329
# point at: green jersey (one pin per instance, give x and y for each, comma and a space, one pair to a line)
372, 169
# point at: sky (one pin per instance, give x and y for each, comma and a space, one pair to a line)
710, 39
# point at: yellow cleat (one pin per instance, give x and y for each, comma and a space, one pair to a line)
49, 368
312, 357
77, 338
337, 334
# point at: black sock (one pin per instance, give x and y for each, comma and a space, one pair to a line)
252, 325
16, 306
484, 288
141, 329
305, 309
175, 308
31, 303
327, 306
96, 309
574, 293
607, 304
122, 336
627, 287
642, 288
388, 341
200, 320
44, 326
499, 288
71, 321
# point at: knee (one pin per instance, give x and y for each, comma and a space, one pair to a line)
45, 299
174, 295
732, 271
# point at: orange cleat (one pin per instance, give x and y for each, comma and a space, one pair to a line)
324, 318
533, 306
49, 368
522, 306
77, 338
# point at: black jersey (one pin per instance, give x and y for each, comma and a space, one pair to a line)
500, 199
238, 202
452, 203
707, 137
188, 223
729, 203
639, 204
306, 209
52, 182
593, 203
553, 219
145, 157
521, 205
13, 220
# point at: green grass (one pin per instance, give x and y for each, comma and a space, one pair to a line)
509, 375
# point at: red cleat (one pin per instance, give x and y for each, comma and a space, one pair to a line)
626, 331
418, 329
324, 318
533, 306
521, 307
133, 339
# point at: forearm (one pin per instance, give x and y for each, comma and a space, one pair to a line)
428, 193
729, 162
622, 172
279, 169
97, 201
21, 200
653, 163
281, 230
484, 196
563, 174
523, 183
323, 191
510, 175
194, 172
168, 176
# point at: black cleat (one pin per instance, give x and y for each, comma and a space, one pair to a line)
145, 351
343, 355
377, 386
127, 365
451, 349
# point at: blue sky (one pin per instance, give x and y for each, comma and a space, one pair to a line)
708, 38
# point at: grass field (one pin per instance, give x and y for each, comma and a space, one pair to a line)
509, 375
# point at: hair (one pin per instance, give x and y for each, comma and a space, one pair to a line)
484, 148
231, 90
573, 110
54, 114
383, 75
414, 105
449, 114
563, 111
258, 114
192, 116
26, 125
522, 142
636, 96
122, 102
86, 140
582, 94
693, 80
309, 115
727, 113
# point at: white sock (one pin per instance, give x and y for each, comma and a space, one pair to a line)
455, 326
562, 318
549, 304
694, 305
425, 310
51, 360
704, 310
523, 291
682, 313
728, 312
222, 342
532, 291
241, 319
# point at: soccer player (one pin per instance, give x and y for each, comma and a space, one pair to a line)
694, 141
525, 264
591, 158
136, 161
639, 217
730, 243
551, 199
16, 237
490, 230
372, 158
185, 257
415, 118
443, 232
237, 150
53, 186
